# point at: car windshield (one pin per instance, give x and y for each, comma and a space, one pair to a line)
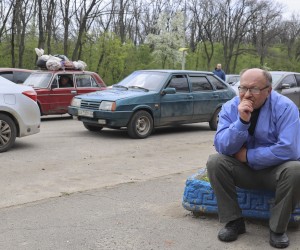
144, 80
276, 77
38, 80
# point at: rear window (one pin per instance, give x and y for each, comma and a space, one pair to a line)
298, 79
85, 81
7, 75
20, 77
200, 83
218, 84
38, 80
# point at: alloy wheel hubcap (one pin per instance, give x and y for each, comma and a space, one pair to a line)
5, 133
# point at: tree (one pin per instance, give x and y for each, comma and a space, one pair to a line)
235, 17
6, 8
289, 35
267, 22
170, 38
22, 13
83, 14
204, 28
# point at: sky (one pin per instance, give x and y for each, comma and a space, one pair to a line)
290, 6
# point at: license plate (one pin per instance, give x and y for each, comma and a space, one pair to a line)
87, 113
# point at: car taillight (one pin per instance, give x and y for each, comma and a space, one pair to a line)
31, 94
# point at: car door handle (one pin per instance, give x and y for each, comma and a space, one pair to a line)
190, 97
74, 92
215, 95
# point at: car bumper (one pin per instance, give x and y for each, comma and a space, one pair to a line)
27, 117
103, 118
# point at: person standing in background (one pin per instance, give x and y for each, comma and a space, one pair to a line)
219, 72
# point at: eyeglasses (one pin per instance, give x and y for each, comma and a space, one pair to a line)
254, 91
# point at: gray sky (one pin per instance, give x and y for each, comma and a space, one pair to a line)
290, 7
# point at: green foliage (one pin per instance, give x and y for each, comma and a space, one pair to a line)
5, 56
114, 60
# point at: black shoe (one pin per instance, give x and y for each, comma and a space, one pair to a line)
232, 230
279, 240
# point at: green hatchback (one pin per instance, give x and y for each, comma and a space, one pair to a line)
147, 99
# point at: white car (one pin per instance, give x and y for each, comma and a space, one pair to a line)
19, 113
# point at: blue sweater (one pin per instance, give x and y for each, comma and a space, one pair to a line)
276, 138
220, 73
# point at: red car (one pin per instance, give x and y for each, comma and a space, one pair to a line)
55, 89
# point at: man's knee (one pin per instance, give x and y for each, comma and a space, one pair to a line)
291, 173
213, 162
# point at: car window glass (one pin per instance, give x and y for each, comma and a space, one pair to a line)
83, 81
7, 75
276, 77
65, 81
20, 77
38, 80
93, 82
236, 78
297, 79
200, 83
290, 79
54, 83
180, 83
217, 83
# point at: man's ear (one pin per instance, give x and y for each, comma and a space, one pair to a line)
269, 90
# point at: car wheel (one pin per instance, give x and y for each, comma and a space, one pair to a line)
8, 132
140, 125
41, 112
213, 123
93, 128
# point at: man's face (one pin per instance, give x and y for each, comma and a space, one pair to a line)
254, 78
219, 66
64, 80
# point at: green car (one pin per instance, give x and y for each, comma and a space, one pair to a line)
148, 99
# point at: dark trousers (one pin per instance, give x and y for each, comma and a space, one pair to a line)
225, 173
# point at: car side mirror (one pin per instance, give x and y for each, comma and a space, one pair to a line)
285, 86
168, 91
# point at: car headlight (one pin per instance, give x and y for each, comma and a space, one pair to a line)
106, 105
76, 102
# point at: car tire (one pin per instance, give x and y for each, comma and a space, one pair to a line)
93, 128
140, 125
213, 123
41, 112
8, 132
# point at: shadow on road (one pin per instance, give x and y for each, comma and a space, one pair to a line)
122, 133
55, 117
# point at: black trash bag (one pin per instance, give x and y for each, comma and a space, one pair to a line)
63, 57
41, 63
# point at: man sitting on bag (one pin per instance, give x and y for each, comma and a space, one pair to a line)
258, 145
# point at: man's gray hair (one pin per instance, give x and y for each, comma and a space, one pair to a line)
268, 77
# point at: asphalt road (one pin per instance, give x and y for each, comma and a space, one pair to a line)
66, 158
68, 188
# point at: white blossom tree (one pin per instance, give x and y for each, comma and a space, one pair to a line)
168, 39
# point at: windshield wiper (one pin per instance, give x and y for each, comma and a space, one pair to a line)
119, 86
138, 87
